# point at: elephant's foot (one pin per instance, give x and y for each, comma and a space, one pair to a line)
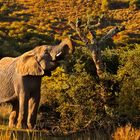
20, 125
12, 119
11, 125
30, 126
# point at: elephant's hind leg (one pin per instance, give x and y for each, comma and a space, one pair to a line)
14, 114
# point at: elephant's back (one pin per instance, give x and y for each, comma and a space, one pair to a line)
6, 62
7, 72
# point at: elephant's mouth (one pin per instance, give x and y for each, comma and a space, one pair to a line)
55, 64
47, 73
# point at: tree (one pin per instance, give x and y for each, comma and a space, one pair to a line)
95, 48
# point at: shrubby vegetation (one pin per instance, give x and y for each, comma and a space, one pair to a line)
128, 75
76, 93
127, 132
106, 4
134, 4
73, 92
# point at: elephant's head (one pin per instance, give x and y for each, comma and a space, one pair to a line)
43, 59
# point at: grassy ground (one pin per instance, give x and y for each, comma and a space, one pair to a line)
4, 113
126, 133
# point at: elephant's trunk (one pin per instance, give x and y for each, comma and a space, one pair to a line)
67, 42
65, 48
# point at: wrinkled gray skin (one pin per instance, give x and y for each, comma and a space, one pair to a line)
20, 80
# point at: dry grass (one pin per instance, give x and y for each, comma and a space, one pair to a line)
7, 133
126, 133
5, 110
6, 136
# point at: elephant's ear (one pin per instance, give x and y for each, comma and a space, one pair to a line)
28, 65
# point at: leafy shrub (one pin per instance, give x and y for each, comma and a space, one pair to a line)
129, 77
105, 4
134, 4
74, 92
4, 9
111, 60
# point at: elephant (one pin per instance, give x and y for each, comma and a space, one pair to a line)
20, 80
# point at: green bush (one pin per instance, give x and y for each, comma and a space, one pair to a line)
75, 92
134, 4
129, 77
4, 9
105, 5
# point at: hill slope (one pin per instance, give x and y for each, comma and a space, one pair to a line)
29, 23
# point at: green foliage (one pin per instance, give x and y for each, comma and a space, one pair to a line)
134, 4
75, 93
111, 60
123, 92
4, 9
105, 5
129, 77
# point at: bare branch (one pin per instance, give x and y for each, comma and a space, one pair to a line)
93, 35
111, 33
79, 32
96, 56
93, 46
96, 53
94, 26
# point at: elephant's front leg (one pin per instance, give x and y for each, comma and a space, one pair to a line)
14, 114
23, 109
33, 108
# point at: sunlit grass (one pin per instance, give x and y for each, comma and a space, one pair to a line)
127, 133
5, 110
21, 134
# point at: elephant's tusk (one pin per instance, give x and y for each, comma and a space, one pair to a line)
58, 54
